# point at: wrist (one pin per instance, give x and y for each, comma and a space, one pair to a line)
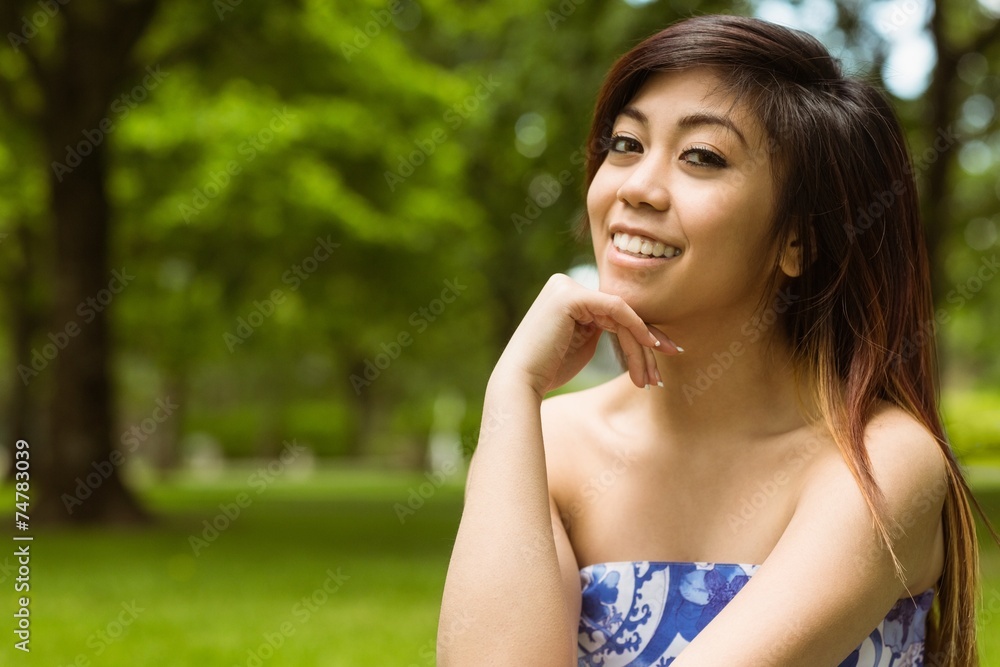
507, 383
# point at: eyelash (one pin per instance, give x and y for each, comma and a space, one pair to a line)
710, 158
610, 142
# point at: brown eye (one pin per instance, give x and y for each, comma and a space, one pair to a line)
703, 157
620, 143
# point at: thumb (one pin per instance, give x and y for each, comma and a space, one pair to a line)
583, 336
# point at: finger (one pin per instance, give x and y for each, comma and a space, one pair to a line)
667, 346
614, 308
655, 377
583, 335
635, 358
650, 362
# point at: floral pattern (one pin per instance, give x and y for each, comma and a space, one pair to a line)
644, 613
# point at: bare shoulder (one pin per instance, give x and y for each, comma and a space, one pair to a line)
910, 468
893, 433
906, 458
831, 531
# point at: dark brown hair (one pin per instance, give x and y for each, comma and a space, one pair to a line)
846, 192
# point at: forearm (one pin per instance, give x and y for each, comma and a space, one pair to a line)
504, 581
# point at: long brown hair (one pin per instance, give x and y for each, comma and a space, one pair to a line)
862, 329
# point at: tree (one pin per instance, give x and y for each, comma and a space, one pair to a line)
407, 143
956, 34
76, 76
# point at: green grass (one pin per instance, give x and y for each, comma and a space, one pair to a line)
214, 608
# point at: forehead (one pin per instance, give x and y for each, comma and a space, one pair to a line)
666, 97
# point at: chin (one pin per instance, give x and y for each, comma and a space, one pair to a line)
645, 300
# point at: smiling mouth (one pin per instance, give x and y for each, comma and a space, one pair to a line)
640, 246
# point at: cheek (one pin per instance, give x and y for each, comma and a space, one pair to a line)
601, 194
726, 216
711, 224
592, 214
729, 231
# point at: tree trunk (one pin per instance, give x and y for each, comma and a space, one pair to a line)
78, 473
21, 415
81, 477
941, 111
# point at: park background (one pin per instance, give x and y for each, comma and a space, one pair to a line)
258, 259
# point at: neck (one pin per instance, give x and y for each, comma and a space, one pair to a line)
733, 378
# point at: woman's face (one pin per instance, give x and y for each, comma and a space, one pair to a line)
681, 208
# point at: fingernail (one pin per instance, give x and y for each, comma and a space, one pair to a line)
669, 340
647, 387
659, 384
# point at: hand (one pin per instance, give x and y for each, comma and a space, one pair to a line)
559, 335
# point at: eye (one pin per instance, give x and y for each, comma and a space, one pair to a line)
703, 157
621, 143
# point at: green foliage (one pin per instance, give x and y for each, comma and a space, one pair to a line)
972, 419
381, 137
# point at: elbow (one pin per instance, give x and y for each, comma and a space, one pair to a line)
466, 651
476, 633
502, 659
453, 638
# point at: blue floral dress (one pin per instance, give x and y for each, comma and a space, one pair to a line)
643, 614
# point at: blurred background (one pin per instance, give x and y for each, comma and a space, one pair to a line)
258, 259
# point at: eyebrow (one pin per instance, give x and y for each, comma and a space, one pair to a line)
690, 121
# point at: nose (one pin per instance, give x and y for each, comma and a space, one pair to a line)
646, 185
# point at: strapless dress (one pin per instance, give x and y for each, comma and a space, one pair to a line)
643, 613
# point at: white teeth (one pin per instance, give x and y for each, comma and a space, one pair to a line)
642, 246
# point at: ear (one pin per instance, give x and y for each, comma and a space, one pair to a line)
791, 261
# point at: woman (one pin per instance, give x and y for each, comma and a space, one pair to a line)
778, 491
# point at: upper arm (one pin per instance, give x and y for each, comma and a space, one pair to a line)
830, 581
569, 571
554, 428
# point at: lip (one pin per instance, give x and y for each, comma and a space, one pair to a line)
623, 259
618, 258
617, 227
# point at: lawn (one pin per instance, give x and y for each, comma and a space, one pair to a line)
316, 571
